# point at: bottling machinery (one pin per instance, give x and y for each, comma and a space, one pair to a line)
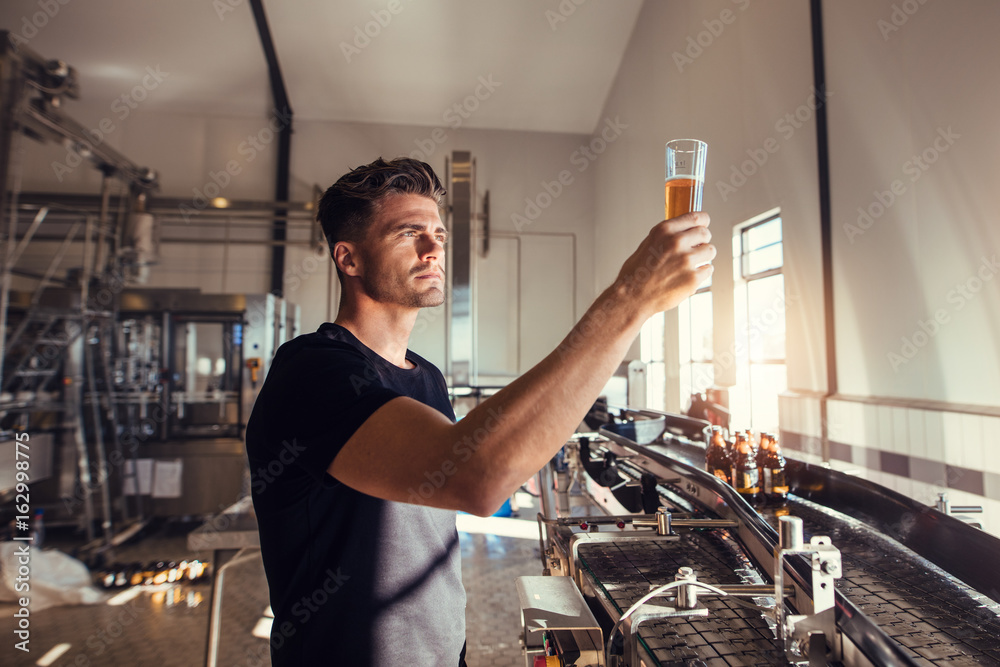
681, 570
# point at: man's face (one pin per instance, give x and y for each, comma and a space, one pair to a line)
403, 254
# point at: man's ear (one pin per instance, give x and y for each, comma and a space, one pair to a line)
347, 259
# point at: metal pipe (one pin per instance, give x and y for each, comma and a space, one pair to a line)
105, 344
26, 239
167, 361
462, 349
283, 111
176, 219
88, 362
11, 92
687, 596
789, 533
38, 276
60, 126
545, 494
663, 521
74, 393
825, 221
103, 224
88, 233
268, 242
753, 590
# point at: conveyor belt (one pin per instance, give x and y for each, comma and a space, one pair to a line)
932, 614
731, 634
934, 617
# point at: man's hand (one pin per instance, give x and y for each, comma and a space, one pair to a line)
669, 264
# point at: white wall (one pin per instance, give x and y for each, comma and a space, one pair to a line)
929, 84
916, 147
922, 422
513, 166
734, 92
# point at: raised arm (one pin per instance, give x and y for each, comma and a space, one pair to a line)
409, 452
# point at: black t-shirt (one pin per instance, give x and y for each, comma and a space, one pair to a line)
353, 579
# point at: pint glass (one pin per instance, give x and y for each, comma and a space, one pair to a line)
685, 176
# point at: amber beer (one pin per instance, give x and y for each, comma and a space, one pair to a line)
717, 456
685, 176
746, 476
681, 195
776, 480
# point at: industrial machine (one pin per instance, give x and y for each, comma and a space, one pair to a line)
681, 570
134, 398
141, 407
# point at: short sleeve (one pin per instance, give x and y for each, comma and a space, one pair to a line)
313, 402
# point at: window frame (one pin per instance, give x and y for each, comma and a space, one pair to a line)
742, 278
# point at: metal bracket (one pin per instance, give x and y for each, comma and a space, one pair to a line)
797, 631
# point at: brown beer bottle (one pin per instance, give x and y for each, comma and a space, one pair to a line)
731, 458
717, 456
754, 447
747, 478
774, 469
762, 454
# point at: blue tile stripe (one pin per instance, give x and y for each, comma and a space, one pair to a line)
903, 465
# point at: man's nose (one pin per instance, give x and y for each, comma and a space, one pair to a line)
430, 248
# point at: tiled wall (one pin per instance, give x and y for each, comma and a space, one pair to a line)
916, 451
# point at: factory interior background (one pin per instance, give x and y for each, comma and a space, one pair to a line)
887, 366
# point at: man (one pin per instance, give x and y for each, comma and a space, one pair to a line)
360, 550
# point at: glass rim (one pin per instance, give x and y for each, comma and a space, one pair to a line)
698, 142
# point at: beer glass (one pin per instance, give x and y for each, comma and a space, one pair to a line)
685, 179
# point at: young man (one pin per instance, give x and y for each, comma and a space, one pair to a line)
361, 552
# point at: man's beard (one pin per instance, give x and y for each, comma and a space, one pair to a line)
385, 287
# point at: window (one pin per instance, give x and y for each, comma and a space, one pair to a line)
761, 373
651, 352
694, 315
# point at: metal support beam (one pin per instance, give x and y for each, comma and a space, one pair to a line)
825, 217
283, 115
461, 355
11, 92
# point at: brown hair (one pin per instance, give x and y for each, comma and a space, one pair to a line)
349, 205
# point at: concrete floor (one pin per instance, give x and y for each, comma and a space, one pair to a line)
167, 626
